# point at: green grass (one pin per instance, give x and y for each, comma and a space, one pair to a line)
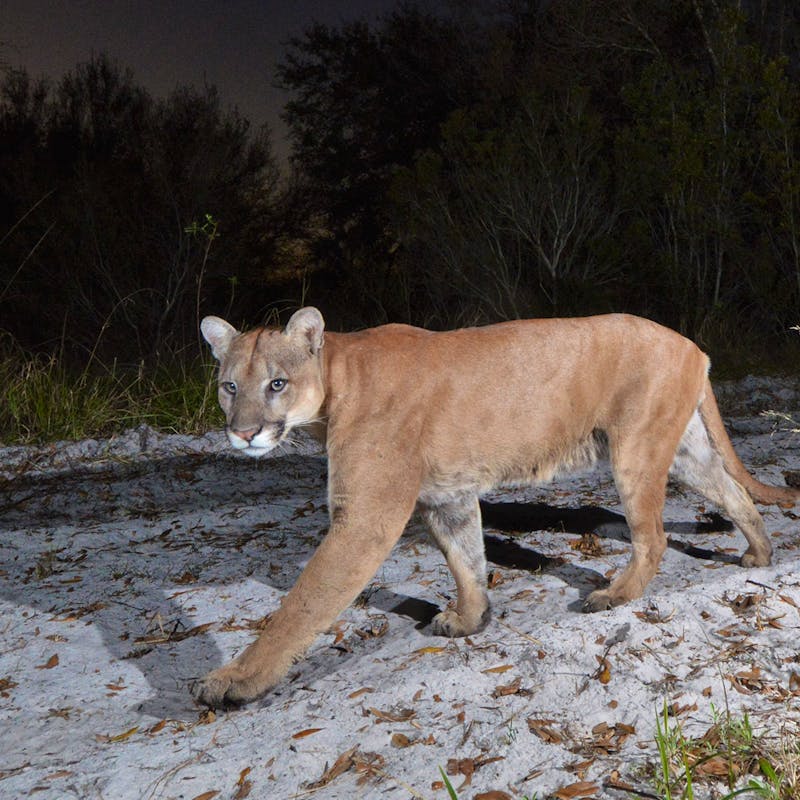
42, 400
729, 752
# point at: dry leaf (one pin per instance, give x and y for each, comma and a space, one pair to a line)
461, 766
589, 544
207, 795
50, 663
494, 670
307, 732
495, 579
245, 786
340, 766
615, 782
542, 729
374, 631
161, 637
206, 717
401, 715
120, 737
508, 688
243, 774
603, 673
62, 773
359, 692
244, 790
493, 795
430, 649
400, 740
584, 789
157, 727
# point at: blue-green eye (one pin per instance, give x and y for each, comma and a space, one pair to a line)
229, 387
277, 385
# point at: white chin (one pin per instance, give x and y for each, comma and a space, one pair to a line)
256, 452
250, 449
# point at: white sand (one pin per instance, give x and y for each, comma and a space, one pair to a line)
128, 567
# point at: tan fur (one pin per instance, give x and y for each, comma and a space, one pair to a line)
430, 420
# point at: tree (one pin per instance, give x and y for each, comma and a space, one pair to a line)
364, 102
108, 260
510, 221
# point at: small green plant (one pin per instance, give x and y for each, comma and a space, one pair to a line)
672, 752
729, 750
451, 792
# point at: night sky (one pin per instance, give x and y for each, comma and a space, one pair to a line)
233, 45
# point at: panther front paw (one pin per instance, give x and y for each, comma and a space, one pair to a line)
602, 600
451, 623
225, 688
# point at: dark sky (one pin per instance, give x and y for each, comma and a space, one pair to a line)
232, 44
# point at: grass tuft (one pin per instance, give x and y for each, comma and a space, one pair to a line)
729, 752
42, 400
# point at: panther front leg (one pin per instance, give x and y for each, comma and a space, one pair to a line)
365, 524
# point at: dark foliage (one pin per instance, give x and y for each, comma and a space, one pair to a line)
104, 195
503, 159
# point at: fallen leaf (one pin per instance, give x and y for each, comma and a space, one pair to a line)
615, 782
245, 786
367, 764
307, 732
542, 729
400, 740
603, 673
50, 663
359, 692
493, 795
508, 688
401, 715
430, 649
62, 773
581, 789
374, 631
243, 790
495, 579
162, 637
206, 795
120, 737
461, 766
716, 767
494, 670
243, 774
589, 544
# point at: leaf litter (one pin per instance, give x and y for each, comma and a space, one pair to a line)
178, 553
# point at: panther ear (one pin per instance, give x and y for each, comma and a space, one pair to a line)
218, 334
308, 324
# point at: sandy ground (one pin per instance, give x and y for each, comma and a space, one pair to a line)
130, 566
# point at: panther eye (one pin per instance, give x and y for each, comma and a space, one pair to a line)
277, 385
229, 387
